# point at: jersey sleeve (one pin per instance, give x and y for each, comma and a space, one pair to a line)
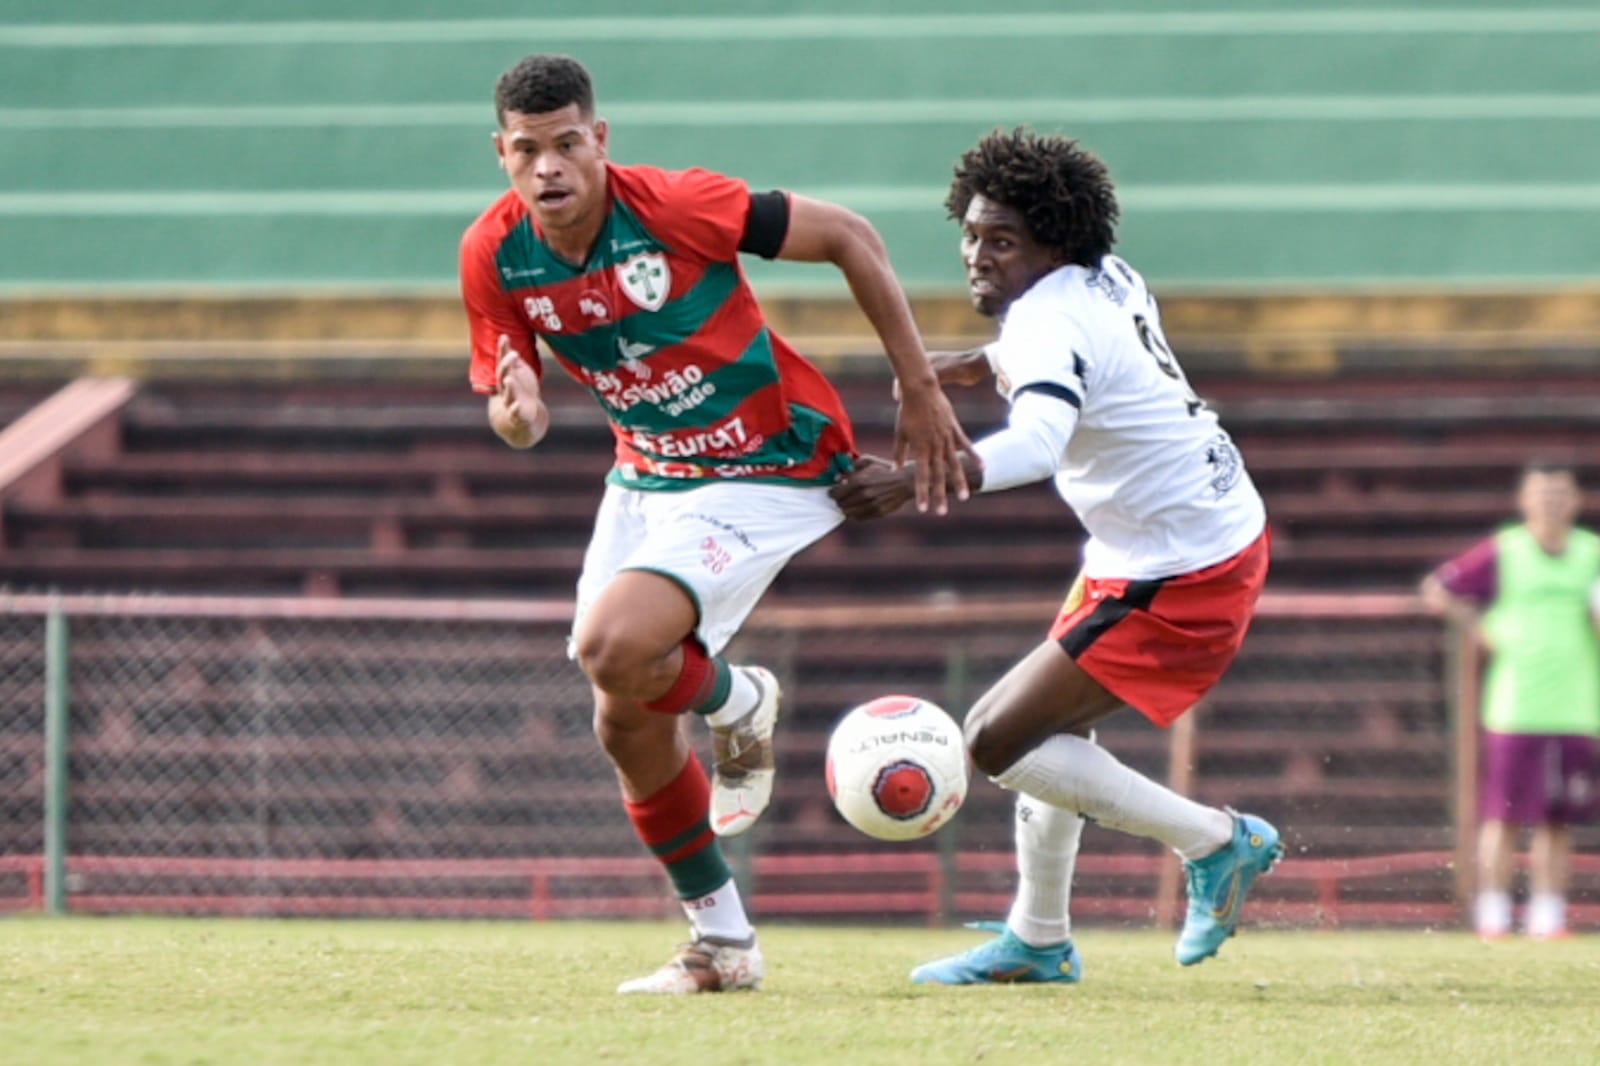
1474, 574
491, 312
1032, 445
699, 212
1041, 349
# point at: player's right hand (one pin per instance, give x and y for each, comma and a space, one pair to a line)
519, 384
930, 438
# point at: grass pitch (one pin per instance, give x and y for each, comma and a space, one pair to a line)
89, 991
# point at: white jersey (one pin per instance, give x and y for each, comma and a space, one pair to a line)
1147, 468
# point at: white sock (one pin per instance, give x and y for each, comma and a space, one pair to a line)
1047, 850
1081, 776
1547, 914
742, 697
720, 914
1492, 913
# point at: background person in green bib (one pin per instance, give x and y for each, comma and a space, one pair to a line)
1534, 591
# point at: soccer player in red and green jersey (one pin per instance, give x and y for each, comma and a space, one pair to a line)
726, 443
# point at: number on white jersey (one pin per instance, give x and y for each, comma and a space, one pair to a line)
1154, 343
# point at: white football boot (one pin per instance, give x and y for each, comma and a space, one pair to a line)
746, 763
709, 964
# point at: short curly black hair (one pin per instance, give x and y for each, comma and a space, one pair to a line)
542, 83
1062, 190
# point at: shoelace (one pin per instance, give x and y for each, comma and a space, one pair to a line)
738, 741
734, 742
737, 733
1196, 903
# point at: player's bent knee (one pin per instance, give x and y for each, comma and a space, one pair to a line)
990, 755
612, 661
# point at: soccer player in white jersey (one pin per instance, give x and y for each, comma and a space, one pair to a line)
1176, 556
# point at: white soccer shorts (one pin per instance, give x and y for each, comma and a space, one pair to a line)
724, 543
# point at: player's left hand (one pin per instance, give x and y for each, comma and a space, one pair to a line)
927, 433
875, 488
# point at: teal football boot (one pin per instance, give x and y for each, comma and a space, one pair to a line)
1219, 883
1003, 960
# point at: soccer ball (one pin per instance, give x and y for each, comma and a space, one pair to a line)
897, 767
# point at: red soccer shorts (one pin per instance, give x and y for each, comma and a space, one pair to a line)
1160, 644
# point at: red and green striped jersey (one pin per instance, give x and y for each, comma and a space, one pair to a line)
661, 325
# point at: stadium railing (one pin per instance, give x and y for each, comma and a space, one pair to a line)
433, 758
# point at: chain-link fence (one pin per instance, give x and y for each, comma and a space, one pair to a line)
267, 756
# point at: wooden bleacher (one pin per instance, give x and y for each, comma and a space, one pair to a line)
401, 489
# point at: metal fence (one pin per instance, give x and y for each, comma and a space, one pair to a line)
429, 758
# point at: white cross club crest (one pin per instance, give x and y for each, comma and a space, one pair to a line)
646, 279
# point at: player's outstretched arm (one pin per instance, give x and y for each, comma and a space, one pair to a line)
927, 432
970, 367
517, 410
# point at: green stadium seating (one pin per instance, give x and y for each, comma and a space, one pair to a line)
195, 144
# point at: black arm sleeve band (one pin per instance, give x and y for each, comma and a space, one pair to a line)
1050, 388
767, 225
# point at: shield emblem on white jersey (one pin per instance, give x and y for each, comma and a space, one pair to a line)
646, 279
